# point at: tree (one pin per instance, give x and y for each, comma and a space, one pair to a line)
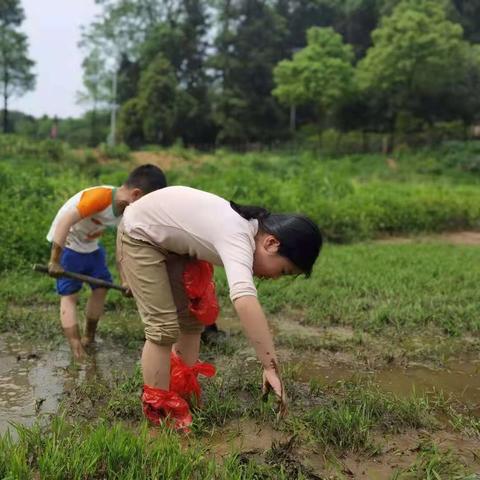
321, 73
416, 51
97, 91
355, 20
152, 115
457, 99
182, 40
16, 77
116, 35
123, 26
130, 125
248, 45
468, 14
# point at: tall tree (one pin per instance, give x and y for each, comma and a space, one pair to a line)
248, 45
468, 14
153, 114
96, 93
182, 40
16, 77
416, 51
115, 36
320, 74
122, 26
158, 101
353, 19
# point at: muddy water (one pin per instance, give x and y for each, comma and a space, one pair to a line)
34, 380
460, 379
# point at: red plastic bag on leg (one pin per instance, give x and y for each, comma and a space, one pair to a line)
160, 405
184, 379
200, 289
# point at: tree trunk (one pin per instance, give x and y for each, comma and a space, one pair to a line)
393, 126
293, 118
5, 102
364, 141
93, 127
338, 142
466, 129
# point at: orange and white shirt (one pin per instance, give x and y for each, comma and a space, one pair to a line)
95, 206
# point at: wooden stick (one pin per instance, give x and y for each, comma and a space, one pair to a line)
83, 278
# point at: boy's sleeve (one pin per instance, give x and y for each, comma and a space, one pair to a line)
94, 200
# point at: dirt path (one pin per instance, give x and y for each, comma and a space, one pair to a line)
167, 160
453, 238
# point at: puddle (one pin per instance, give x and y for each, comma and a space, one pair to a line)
458, 378
33, 380
244, 435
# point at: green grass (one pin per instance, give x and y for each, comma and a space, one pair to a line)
352, 198
383, 290
353, 411
467, 423
435, 464
416, 301
373, 287
85, 443
82, 451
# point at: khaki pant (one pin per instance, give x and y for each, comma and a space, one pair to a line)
155, 277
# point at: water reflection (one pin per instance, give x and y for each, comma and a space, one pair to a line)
34, 380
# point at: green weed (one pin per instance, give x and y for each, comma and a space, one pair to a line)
346, 419
434, 464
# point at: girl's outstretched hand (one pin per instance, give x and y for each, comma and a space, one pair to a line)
273, 382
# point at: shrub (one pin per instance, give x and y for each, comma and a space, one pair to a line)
119, 152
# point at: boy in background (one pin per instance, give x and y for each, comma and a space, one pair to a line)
74, 235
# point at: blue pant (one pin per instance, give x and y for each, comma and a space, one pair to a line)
93, 264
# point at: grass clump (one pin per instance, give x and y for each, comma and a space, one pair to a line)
375, 287
349, 415
103, 451
469, 424
434, 464
83, 451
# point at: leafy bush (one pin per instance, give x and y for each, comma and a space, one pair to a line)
352, 198
13, 146
119, 152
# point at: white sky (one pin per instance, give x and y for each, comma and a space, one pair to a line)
53, 29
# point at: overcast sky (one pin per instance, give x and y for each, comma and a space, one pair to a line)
53, 29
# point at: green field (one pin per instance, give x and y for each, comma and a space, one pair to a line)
371, 308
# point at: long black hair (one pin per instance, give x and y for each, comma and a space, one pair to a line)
299, 236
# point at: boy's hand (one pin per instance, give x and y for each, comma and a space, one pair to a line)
273, 382
55, 269
127, 292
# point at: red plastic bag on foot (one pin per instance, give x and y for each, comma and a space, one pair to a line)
200, 289
160, 405
184, 379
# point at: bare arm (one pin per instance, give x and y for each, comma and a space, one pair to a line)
69, 218
256, 328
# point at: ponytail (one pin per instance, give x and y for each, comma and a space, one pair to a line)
250, 212
299, 236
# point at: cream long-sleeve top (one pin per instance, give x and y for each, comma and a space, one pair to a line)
202, 225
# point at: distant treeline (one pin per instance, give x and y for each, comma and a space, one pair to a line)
243, 72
